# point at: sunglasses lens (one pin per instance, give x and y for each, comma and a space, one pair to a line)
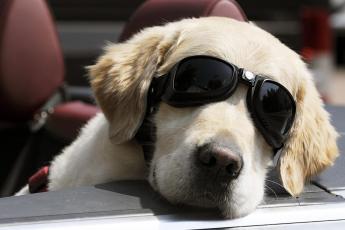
275, 107
199, 75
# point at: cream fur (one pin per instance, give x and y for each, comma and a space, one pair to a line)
105, 149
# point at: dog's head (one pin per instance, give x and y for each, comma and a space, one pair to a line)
181, 169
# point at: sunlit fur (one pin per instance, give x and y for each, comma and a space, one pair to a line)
105, 149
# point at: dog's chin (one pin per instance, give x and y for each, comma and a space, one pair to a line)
227, 205
231, 201
230, 212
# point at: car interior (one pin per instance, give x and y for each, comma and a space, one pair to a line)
42, 110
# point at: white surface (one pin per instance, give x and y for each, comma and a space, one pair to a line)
265, 216
142, 222
293, 216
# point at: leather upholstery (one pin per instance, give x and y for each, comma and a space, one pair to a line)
68, 118
31, 62
156, 12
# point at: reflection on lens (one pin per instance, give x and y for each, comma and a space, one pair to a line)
277, 107
202, 75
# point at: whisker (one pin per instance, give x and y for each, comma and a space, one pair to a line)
275, 183
275, 194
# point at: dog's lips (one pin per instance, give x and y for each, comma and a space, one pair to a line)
223, 202
153, 179
217, 196
209, 197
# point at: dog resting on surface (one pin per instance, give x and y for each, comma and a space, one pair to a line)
107, 150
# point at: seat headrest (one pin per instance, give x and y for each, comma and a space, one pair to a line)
157, 12
31, 61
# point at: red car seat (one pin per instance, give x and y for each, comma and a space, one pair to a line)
31, 64
157, 12
31, 79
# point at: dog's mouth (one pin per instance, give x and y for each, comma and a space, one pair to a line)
225, 200
212, 187
204, 183
154, 183
220, 199
215, 194
209, 198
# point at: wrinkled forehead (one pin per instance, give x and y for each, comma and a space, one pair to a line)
239, 43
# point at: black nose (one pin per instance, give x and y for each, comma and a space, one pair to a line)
214, 157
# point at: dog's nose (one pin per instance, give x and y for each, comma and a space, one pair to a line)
215, 157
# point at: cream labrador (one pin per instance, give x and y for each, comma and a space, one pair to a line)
211, 155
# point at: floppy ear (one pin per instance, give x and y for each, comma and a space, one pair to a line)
311, 146
121, 77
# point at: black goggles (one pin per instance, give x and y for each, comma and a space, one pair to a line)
198, 80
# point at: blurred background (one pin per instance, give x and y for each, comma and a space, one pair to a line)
313, 28
45, 45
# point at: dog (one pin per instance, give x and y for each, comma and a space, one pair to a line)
209, 154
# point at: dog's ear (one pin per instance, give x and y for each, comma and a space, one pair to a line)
121, 77
312, 143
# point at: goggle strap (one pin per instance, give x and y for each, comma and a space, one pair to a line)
157, 89
146, 134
